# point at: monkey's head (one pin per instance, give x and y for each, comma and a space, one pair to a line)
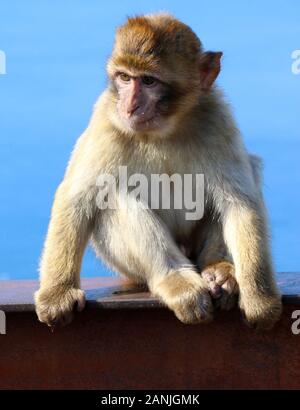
157, 73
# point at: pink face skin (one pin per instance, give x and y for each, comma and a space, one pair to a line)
138, 101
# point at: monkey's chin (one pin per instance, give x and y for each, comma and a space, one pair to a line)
142, 125
156, 127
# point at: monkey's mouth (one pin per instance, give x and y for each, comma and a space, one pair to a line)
138, 123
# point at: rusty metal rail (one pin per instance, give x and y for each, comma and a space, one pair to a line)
125, 339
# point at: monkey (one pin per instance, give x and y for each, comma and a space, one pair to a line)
163, 113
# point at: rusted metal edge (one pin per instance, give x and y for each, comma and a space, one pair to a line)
93, 304
112, 293
123, 304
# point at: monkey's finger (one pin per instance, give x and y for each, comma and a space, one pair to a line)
214, 288
221, 277
80, 305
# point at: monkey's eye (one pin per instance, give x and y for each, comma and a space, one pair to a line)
124, 77
148, 80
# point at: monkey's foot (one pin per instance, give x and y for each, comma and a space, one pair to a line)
56, 306
261, 312
186, 293
222, 284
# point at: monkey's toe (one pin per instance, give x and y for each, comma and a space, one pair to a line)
222, 284
186, 293
193, 309
57, 308
261, 312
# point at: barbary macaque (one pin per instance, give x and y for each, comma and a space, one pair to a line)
163, 114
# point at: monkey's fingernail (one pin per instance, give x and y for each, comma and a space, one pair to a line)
208, 276
80, 304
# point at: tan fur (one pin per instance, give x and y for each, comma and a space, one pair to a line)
199, 137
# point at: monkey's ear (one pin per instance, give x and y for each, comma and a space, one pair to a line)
210, 66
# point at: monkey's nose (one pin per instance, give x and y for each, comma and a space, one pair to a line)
131, 110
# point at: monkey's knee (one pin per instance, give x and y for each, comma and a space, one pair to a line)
187, 295
57, 306
222, 284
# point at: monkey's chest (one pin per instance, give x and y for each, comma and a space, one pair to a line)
170, 181
177, 198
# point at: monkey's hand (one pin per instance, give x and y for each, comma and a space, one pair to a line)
186, 293
222, 284
261, 311
56, 305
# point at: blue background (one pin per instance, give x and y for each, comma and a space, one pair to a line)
56, 53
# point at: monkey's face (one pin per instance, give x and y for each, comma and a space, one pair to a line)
157, 72
141, 101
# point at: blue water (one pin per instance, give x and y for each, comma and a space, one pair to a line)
56, 53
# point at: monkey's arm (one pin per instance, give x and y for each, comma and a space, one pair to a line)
67, 237
243, 216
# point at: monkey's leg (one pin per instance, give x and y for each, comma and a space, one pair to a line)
245, 234
67, 236
216, 267
136, 243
